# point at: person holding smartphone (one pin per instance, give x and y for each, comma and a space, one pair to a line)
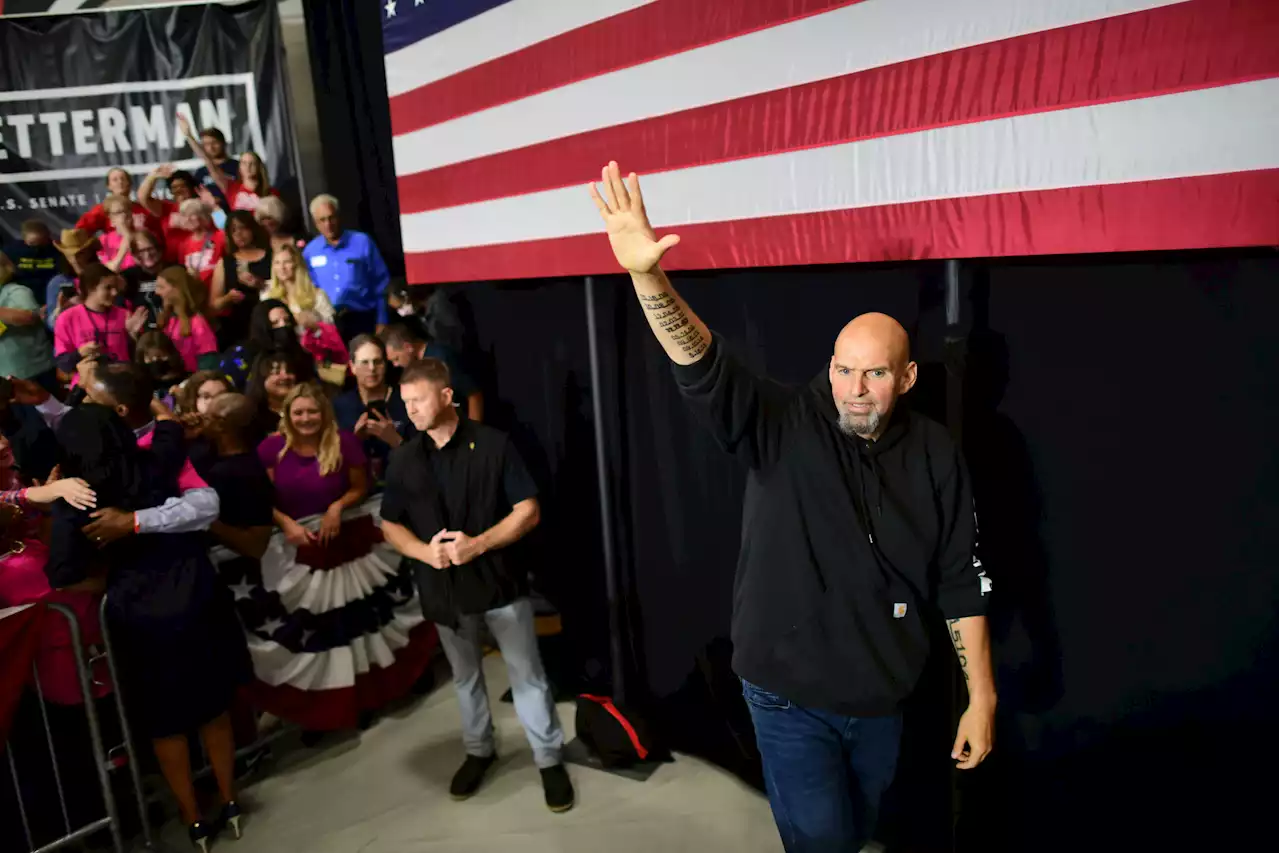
373, 409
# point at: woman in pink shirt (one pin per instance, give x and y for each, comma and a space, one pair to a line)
250, 186
97, 326
182, 321
117, 244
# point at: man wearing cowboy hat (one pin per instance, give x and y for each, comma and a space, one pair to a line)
79, 248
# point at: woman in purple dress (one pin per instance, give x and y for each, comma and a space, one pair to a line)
332, 632
318, 469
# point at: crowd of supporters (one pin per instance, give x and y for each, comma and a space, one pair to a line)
190, 390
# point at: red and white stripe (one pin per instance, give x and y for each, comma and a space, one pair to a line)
818, 131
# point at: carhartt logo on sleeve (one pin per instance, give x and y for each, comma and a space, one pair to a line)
899, 610
984, 583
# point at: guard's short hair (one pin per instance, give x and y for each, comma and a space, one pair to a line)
431, 370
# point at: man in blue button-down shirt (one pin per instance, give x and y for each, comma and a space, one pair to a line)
347, 266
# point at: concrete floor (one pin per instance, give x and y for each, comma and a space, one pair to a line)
386, 791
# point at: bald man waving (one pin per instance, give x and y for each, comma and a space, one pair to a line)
857, 527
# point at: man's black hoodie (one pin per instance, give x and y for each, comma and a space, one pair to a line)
848, 545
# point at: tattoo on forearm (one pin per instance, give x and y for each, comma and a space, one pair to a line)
958, 642
669, 317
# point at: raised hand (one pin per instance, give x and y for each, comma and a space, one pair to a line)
621, 207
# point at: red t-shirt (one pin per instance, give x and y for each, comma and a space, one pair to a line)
175, 236
202, 255
97, 220
245, 199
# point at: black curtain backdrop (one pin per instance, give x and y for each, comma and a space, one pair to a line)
1121, 419
344, 42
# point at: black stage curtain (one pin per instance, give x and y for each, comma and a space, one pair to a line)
1121, 418
344, 42
529, 354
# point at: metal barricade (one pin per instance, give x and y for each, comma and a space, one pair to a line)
111, 820
135, 771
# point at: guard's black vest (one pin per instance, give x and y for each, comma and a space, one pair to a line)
471, 501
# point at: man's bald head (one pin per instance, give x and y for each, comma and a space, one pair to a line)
231, 415
878, 330
870, 368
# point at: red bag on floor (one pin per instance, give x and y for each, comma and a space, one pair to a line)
615, 735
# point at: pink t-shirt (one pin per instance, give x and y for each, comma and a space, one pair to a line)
78, 325
110, 246
200, 342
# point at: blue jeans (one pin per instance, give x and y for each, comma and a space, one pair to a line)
825, 773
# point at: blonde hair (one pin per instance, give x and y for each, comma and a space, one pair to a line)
329, 453
302, 287
7, 269
271, 207
194, 207
115, 203
178, 278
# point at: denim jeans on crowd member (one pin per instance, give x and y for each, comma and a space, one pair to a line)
513, 627
825, 773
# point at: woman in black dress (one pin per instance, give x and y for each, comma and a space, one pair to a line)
239, 280
179, 650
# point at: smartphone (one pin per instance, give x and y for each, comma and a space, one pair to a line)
379, 406
6, 389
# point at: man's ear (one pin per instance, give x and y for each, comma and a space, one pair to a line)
908, 378
447, 391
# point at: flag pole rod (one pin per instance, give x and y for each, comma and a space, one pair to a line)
616, 660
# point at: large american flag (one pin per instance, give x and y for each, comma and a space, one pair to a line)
818, 131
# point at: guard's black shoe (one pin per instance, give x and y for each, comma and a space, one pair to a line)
469, 776
557, 788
